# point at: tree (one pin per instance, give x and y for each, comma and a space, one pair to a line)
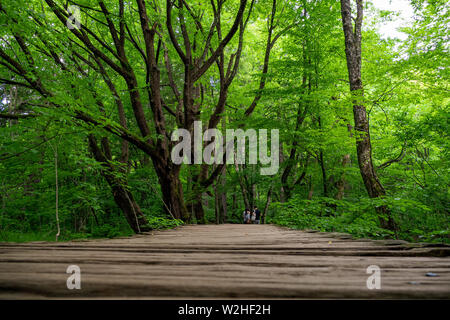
112, 59
363, 145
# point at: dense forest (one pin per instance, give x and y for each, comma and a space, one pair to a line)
91, 93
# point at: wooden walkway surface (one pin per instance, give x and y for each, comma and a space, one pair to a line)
225, 261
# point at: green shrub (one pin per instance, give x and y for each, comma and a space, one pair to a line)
416, 221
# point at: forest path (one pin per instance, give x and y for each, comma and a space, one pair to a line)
225, 261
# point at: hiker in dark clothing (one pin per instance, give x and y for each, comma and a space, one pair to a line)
257, 215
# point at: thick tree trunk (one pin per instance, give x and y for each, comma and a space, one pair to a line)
195, 203
198, 209
195, 209
123, 198
172, 191
363, 145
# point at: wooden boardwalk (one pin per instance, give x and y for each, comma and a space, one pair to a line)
225, 261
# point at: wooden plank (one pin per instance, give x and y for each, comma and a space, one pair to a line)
225, 261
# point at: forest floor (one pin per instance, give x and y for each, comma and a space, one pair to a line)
225, 261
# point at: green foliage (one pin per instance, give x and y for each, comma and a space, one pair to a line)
326, 214
417, 222
405, 94
163, 222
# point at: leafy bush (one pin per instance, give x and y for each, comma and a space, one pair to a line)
157, 222
416, 221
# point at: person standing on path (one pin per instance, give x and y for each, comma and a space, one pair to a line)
246, 216
257, 215
252, 217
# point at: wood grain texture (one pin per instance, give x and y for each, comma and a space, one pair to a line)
225, 261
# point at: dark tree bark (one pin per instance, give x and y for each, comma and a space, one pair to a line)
223, 196
217, 205
243, 187
122, 196
291, 161
324, 174
266, 207
172, 190
286, 189
363, 145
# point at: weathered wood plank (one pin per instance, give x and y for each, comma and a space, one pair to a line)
225, 261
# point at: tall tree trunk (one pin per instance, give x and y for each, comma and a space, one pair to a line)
249, 185
122, 196
282, 191
253, 195
285, 193
195, 203
172, 191
199, 211
223, 195
223, 178
243, 187
217, 204
363, 145
266, 207
58, 233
